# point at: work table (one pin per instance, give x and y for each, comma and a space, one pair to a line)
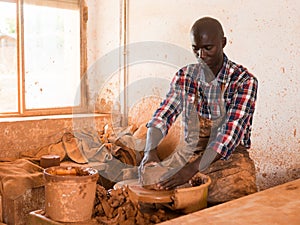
277, 205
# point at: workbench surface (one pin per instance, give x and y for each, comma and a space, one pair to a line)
278, 205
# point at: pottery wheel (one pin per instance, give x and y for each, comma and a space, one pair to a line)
141, 194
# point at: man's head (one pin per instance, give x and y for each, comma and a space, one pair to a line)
208, 41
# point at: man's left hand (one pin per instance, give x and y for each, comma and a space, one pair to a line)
175, 177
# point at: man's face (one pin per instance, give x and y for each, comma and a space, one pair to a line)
208, 46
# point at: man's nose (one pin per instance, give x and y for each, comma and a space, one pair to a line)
201, 53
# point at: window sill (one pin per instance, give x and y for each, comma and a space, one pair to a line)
35, 118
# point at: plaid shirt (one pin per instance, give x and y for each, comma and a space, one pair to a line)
189, 89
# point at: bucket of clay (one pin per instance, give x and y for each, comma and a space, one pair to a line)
70, 193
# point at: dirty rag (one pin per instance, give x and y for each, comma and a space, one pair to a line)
18, 176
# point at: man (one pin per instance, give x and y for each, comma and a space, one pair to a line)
217, 92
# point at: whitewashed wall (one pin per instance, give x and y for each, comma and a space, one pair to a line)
262, 35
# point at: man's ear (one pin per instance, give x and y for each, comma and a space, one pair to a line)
224, 41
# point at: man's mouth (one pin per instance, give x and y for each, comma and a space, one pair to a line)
206, 62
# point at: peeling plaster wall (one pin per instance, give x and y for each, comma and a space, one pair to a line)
19, 137
263, 36
104, 38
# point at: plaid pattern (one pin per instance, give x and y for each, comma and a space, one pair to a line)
189, 89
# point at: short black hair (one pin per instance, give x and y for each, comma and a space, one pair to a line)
208, 22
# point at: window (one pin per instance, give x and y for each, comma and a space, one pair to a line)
42, 57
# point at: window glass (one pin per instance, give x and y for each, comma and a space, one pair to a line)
8, 58
52, 56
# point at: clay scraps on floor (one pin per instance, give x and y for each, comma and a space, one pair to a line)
115, 207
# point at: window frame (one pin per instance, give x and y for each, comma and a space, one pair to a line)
22, 111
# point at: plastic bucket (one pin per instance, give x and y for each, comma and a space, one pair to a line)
192, 199
70, 193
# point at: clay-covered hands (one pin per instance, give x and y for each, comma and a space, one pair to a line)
177, 177
154, 136
150, 157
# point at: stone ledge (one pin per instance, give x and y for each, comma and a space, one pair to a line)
15, 212
65, 116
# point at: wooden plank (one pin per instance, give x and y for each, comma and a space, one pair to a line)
277, 205
38, 218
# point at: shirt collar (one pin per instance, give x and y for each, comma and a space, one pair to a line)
224, 71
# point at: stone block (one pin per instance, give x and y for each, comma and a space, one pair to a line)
16, 212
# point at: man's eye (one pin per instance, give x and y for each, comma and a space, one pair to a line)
208, 48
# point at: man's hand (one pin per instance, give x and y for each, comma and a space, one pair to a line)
154, 136
149, 157
175, 177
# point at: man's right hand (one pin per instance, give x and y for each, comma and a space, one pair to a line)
154, 136
150, 157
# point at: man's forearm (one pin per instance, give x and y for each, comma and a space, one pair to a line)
154, 137
209, 156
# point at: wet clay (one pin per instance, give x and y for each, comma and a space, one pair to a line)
151, 174
130, 203
115, 207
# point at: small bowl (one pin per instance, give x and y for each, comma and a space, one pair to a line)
49, 161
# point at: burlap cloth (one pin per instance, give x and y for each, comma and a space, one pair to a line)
18, 176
